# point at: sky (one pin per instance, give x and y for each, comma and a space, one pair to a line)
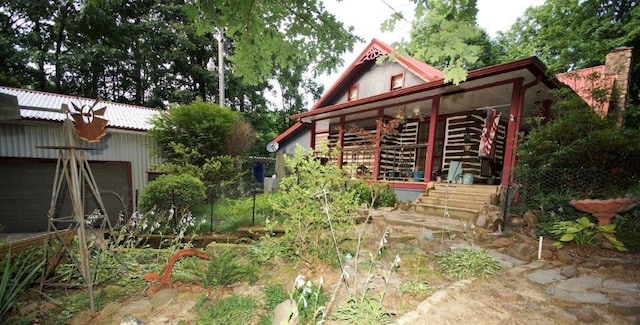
366, 16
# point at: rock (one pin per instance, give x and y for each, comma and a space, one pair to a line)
546, 254
569, 271
545, 276
563, 257
130, 320
286, 313
572, 299
625, 308
478, 233
522, 237
585, 315
80, 318
109, 309
502, 242
481, 221
509, 296
580, 284
163, 297
139, 308
522, 251
428, 235
531, 217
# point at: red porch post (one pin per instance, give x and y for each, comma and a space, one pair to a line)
431, 141
312, 140
513, 129
340, 141
376, 146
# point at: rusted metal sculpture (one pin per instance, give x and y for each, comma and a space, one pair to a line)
163, 279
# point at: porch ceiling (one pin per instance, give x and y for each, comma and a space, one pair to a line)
478, 92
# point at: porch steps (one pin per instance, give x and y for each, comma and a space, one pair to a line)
456, 201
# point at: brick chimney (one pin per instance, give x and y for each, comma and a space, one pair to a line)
618, 64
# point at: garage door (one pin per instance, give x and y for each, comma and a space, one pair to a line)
26, 190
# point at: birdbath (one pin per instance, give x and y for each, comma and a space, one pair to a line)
604, 210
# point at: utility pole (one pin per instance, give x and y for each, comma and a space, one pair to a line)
211, 66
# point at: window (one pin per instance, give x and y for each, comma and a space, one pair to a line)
353, 93
397, 82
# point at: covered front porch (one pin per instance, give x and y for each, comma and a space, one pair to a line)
465, 133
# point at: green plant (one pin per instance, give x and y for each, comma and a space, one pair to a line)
466, 263
373, 194
172, 192
311, 226
227, 268
17, 274
415, 288
235, 309
584, 231
362, 309
628, 229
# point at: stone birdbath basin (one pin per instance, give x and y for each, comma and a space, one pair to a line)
604, 210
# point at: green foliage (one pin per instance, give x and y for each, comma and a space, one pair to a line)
309, 297
448, 37
189, 134
362, 310
628, 229
181, 191
17, 274
415, 289
373, 194
230, 214
227, 268
576, 155
235, 309
584, 231
312, 195
466, 263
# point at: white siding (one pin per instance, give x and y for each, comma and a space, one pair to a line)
22, 140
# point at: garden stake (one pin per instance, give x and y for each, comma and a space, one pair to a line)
333, 236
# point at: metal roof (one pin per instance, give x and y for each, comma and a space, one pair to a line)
38, 105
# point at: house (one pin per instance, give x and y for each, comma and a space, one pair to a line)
398, 118
31, 126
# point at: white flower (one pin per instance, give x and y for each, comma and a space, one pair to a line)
299, 282
397, 261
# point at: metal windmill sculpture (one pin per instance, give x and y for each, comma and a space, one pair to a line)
87, 123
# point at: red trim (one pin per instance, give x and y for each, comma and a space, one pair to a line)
512, 132
433, 125
409, 185
427, 72
376, 155
288, 132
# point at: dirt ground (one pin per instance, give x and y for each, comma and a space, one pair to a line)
505, 298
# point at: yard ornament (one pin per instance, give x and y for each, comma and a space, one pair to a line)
89, 122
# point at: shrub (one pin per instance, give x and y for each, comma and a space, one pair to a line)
228, 268
628, 229
17, 274
584, 231
313, 194
373, 194
183, 191
466, 263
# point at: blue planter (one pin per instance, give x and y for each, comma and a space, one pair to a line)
418, 176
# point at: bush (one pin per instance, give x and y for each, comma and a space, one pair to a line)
228, 268
373, 194
183, 191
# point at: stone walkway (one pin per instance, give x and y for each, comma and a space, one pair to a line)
576, 298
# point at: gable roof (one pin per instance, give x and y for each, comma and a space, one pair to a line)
369, 55
38, 105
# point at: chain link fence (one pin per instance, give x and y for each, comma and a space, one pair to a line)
551, 190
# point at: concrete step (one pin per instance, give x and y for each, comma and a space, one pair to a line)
458, 196
464, 214
466, 188
431, 222
469, 203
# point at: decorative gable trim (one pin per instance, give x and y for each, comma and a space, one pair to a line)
373, 53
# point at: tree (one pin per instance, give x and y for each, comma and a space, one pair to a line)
268, 36
189, 134
572, 34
